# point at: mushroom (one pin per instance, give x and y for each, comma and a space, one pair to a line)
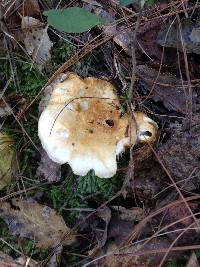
82, 125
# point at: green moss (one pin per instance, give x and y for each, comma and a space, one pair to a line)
91, 184
63, 51
180, 262
75, 193
60, 53
11, 240
35, 253
29, 80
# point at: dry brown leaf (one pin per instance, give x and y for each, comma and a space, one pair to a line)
124, 38
37, 222
168, 88
168, 36
5, 110
133, 214
101, 234
48, 169
180, 214
146, 38
105, 215
36, 40
179, 156
56, 257
8, 261
114, 256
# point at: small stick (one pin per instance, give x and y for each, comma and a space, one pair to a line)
134, 63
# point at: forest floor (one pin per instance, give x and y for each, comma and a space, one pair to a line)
148, 213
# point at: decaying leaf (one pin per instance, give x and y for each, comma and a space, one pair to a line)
147, 34
123, 39
133, 214
5, 110
115, 230
105, 215
127, 256
170, 36
181, 214
179, 155
56, 257
36, 40
148, 180
6, 159
168, 88
34, 221
8, 261
49, 169
101, 234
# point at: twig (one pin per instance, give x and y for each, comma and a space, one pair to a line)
134, 63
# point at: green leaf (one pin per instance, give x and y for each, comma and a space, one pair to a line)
72, 19
150, 2
125, 2
141, 2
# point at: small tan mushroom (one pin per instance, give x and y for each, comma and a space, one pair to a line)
83, 126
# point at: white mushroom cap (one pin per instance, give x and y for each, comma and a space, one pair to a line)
82, 126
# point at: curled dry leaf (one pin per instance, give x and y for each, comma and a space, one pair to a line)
36, 40
6, 159
37, 222
83, 125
